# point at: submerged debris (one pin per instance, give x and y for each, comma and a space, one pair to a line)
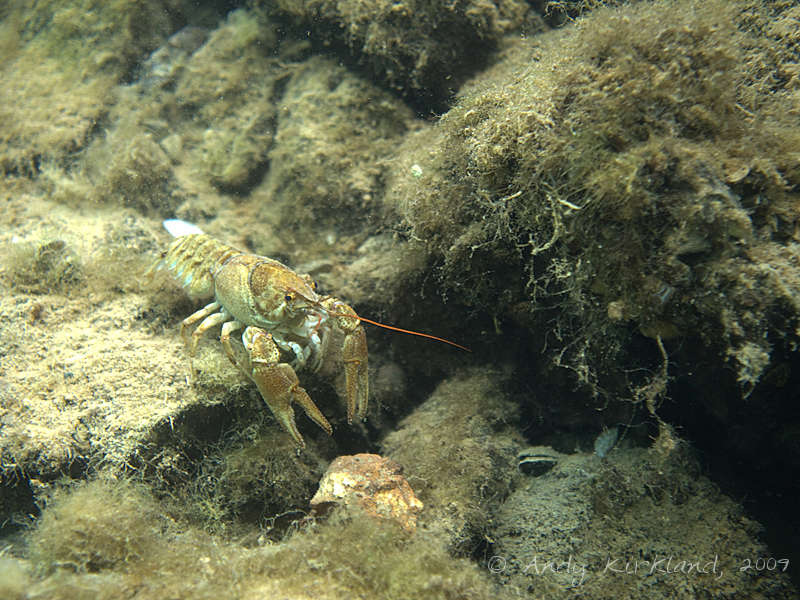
41, 266
606, 441
537, 460
374, 483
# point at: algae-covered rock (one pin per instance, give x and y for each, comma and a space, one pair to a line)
630, 170
421, 48
608, 209
200, 118
81, 388
15, 578
95, 548
41, 266
81, 366
458, 450
61, 61
139, 175
638, 520
231, 84
335, 136
97, 526
253, 476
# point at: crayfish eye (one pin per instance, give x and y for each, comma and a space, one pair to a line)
288, 297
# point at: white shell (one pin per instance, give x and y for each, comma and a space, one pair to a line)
177, 228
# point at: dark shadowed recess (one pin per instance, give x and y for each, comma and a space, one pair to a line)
751, 446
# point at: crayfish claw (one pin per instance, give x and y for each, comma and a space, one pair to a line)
278, 383
354, 357
355, 371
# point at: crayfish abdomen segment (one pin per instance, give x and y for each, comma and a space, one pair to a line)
194, 259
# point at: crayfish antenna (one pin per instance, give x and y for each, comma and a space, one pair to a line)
401, 330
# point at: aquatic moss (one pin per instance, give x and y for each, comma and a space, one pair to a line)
101, 525
457, 451
64, 59
15, 580
625, 172
107, 537
41, 267
420, 48
355, 554
126, 248
252, 476
266, 477
557, 12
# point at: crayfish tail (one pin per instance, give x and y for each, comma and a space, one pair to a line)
193, 259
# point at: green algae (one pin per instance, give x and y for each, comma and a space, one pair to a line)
62, 65
91, 547
421, 49
634, 160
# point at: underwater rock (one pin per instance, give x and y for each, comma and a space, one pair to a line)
621, 202
99, 525
139, 175
335, 135
61, 61
232, 85
41, 266
421, 49
571, 197
102, 539
542, 152
162, 65
382, 269
460, 445
635, 520
373, 482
